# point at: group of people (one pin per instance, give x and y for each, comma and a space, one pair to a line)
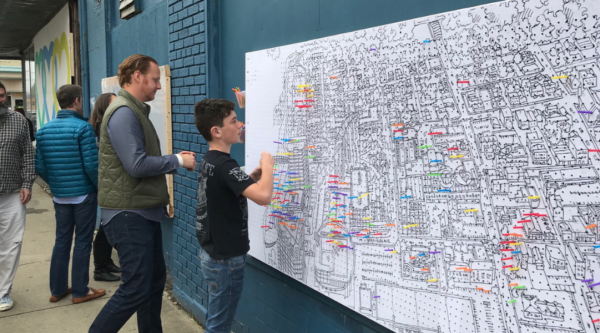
114, 161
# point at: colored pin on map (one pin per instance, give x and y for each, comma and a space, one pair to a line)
512, 301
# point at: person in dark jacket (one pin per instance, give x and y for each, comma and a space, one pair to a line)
104, 265
20, 110
67, 159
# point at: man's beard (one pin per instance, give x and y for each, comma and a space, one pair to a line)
3, 109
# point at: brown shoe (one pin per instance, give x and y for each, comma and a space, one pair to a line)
55, 299
95, 294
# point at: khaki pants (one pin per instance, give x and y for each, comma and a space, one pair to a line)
12, 227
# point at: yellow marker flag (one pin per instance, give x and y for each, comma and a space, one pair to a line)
514, 268
471, 210
367, 218
432, 280
364, 195
533, 197
295, 179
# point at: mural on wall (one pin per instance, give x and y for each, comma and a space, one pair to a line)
52, 64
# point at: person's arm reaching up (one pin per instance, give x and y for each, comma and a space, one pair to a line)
262, 192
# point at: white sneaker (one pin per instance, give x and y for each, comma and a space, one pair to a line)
6, 303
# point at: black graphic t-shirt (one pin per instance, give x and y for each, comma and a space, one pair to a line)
222, 213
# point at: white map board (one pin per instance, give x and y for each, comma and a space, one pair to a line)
160, 116
470, 131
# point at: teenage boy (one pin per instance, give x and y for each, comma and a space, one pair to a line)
222, 213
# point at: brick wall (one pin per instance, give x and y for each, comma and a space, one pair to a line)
187, 60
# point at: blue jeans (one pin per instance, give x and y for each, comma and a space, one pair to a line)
225, 279
81, 219
139, 245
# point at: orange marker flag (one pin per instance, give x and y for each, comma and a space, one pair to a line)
424, 269
412, 257
310, 147
591, 226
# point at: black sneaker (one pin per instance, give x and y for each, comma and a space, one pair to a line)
106, 276
112, 268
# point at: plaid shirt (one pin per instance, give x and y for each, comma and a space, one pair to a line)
17, 157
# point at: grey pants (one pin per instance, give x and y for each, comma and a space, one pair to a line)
12, 228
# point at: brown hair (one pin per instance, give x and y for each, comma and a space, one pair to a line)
100, 107
211, 112
134, 63
67, 94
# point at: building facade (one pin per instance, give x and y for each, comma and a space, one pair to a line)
204, 42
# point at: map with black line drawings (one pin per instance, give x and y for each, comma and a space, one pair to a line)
440, 174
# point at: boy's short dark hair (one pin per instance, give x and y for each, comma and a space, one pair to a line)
211, 112
67, 94
2, 87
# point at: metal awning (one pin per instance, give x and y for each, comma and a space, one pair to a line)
21, 20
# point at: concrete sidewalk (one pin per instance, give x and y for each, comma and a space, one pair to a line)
34, 313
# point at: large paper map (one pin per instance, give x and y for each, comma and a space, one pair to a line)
439, 174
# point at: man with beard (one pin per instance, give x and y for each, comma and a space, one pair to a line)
17, 173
